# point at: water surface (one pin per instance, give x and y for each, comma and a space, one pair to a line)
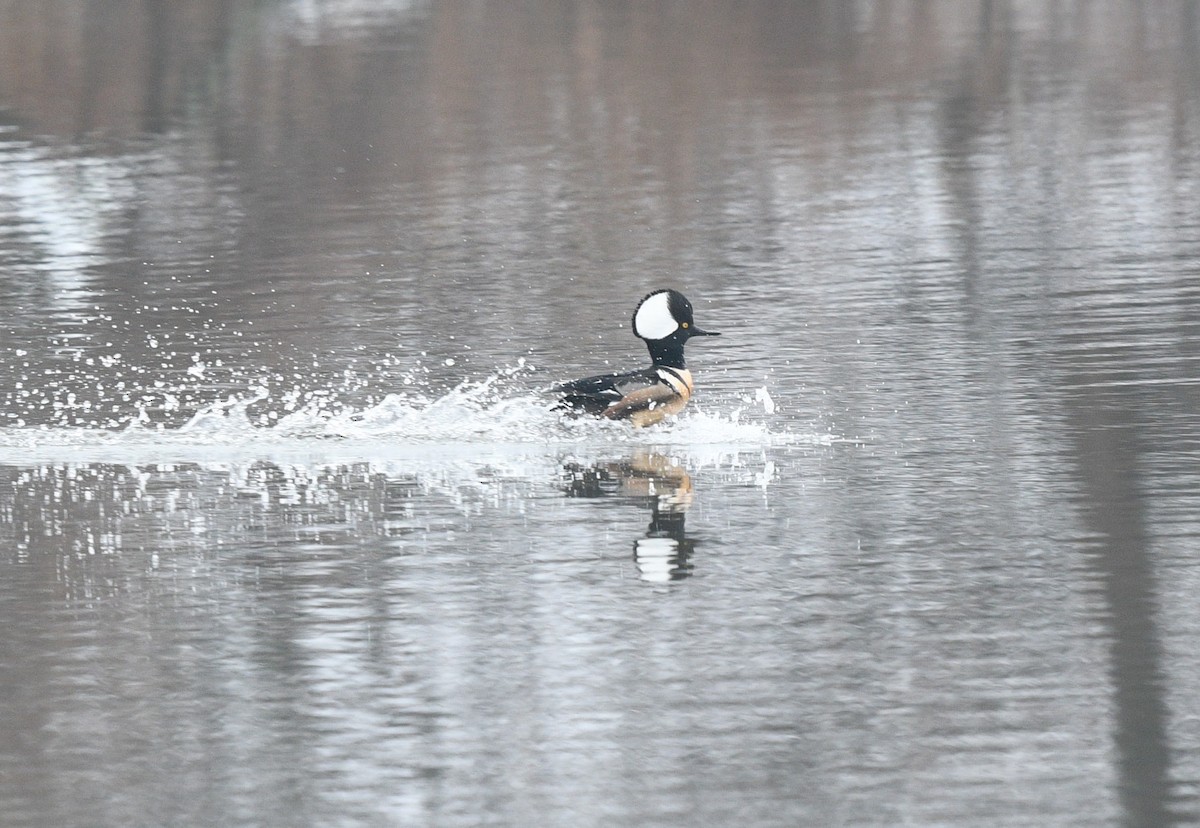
288, 532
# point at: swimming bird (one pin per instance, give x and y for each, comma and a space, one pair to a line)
644, 397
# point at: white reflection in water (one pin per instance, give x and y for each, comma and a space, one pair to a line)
60, 215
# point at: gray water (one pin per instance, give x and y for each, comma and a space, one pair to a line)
288, 535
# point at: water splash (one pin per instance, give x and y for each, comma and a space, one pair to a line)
763, 396
478, 415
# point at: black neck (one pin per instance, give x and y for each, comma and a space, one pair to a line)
667, 352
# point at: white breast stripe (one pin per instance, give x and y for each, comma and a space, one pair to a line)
673, 380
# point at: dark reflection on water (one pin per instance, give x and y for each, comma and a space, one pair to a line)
953, 246
1109, 431
1126, 572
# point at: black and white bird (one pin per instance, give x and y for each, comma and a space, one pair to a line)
644, 397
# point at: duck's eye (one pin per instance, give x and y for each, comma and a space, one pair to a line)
685, 325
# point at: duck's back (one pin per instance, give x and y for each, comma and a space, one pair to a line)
594, 394
644, 396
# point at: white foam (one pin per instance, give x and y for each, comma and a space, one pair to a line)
470, 420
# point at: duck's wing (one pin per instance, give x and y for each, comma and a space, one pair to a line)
595, 394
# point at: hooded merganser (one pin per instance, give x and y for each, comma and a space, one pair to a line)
664, 320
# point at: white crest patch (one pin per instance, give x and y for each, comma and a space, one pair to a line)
653, 319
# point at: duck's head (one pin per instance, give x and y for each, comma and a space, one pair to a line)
664, 320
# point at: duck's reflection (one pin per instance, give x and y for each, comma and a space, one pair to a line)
659, 482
